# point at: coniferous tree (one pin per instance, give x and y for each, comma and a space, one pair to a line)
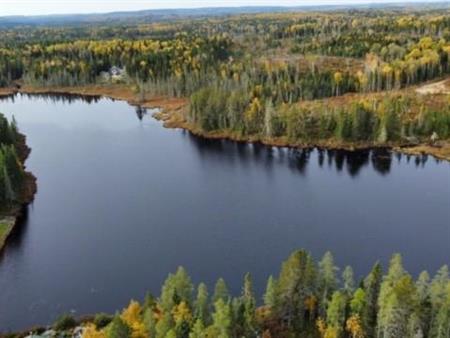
177, 287
295, 284
348, 280
221, 291
118, 329
270, 295
327, 280
372, 285
201, 305
336, 314
222, 319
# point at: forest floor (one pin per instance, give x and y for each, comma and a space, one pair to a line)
173, 113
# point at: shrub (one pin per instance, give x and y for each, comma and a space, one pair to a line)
101, 320
65, 322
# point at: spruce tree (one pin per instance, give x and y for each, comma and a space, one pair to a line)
221, 291
295, 284
327, 281
270, 295
372, 285
222, 319
201, 305
118, 329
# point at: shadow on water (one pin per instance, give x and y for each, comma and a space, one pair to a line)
17, 236
55, 98
352, 162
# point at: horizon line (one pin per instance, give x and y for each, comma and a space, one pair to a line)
342, 4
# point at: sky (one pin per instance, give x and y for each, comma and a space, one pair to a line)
43, 7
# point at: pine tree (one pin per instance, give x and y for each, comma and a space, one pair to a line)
440, 326
222, 319
271, 293
336, 313
348, 280
221, 291
164, 325
118, 329
249, 303
423, 295
327, 280
201, 304
358, 303
440, 303
372, 285
150, 322
398, 302
296, 283
198, 330
177, 287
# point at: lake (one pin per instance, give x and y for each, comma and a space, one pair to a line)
123, 201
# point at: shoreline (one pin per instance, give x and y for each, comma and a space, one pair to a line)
173, 110
10, 216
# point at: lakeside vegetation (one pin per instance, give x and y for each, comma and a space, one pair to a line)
17, 187
261, 76
340, 79
306, 299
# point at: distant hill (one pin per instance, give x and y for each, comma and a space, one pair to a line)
174, 14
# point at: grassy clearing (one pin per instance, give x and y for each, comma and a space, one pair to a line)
6, 225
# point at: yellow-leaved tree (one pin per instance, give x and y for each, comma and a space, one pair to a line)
132, 316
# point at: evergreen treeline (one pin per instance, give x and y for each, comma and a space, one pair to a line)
378, 120
254, 74
307, 299
11, 169
373, 51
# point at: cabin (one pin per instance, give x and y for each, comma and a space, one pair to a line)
114, 74
116, 71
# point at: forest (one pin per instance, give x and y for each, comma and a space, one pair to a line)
306, 299
12, 174
260, 76
344, 78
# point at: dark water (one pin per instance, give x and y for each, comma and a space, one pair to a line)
122, 202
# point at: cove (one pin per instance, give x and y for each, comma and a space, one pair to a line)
122, 202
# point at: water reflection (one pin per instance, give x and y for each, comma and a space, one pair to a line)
54, 98
382, 161
147, 199
296, 159
140, 112
18, 234
353, 162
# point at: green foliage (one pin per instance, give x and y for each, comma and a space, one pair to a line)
101, 320
271, 292
327, 279
251, 75
348, 280
201, 305
118, 329
65, 322
11, 169
336, 312
176, 289
295, 284
221, 291
222, 319
383, 306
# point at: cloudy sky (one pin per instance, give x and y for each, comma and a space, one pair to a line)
38, 7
